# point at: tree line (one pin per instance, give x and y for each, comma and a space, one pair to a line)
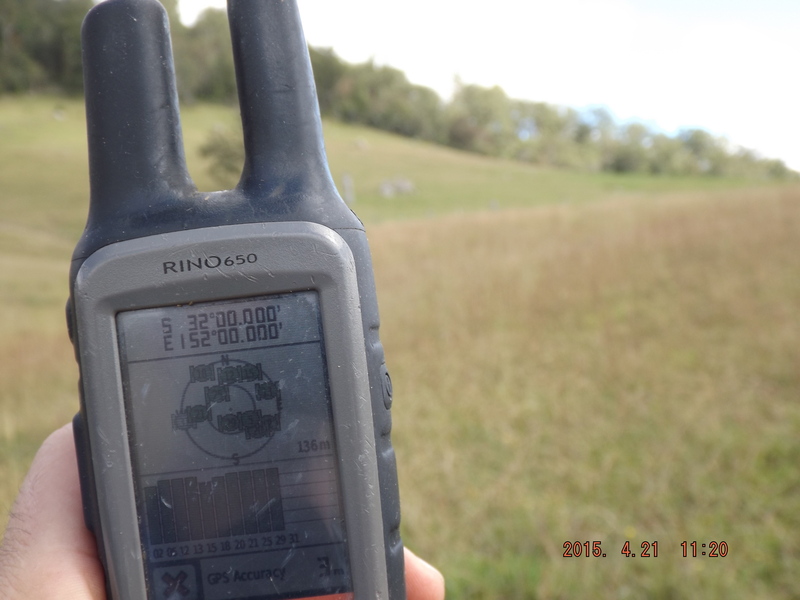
485, 120
40, 51
40, 46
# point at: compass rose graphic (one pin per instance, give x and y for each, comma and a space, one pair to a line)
230, 408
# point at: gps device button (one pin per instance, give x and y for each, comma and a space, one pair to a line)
386, 384
70, 325
176, 581
84, 471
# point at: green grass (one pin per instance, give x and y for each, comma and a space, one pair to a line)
44, 170
444, 180
449, 181
576, 357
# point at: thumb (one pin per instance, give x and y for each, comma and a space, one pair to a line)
423, 582
47, 552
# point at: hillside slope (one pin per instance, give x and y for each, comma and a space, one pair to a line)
575, 357
44, 172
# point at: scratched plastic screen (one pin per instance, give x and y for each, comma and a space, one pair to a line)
233, 450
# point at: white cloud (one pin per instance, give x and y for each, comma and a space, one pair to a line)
191, 9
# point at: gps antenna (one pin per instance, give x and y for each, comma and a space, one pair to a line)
136, 156
284, 150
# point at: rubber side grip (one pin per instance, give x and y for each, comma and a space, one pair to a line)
381, 413
85, 472
91, 515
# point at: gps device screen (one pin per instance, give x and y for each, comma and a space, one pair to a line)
233, 448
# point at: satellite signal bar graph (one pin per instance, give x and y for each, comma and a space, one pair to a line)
237, 503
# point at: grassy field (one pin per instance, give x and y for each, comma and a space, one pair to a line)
627, 370
576, 357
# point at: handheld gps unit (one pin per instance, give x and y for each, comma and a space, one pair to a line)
234, 433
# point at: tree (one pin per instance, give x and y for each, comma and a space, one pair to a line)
382, 97
631, 150
551, 135
708, 153
204, 59
328, 71
40, 44
669, 156
479, 119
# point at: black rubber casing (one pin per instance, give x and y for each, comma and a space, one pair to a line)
140, 185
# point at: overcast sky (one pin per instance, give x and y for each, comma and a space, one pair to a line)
731, 67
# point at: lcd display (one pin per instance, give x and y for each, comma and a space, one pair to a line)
233, 449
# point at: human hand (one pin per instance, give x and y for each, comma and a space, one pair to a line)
47, 552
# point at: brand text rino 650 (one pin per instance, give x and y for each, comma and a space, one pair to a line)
207, 262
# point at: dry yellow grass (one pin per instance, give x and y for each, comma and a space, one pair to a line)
623, 371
